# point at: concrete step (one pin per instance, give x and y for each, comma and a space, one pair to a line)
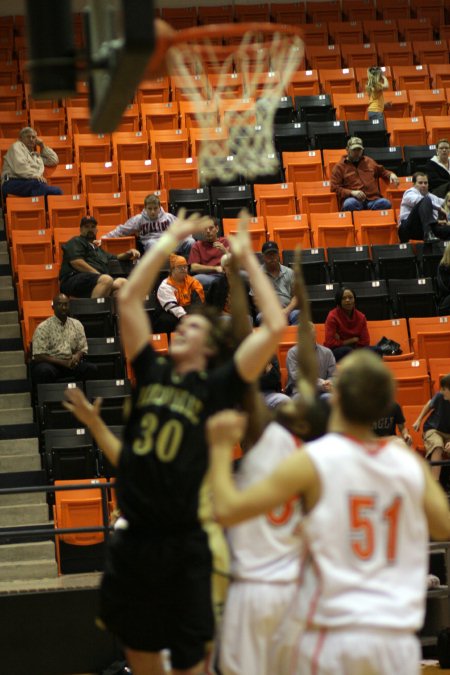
25, 498
4, 258
16, 416
14, 514
8, 317
19, 446
21, 400
5, 281
3, 244
16, 358
30, 569
15, 463
39, 550
11, 330
13, 372
6, 293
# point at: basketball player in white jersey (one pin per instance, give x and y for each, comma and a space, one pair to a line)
370, 506
256, 634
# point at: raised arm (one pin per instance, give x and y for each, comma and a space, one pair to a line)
253, 354
135, 327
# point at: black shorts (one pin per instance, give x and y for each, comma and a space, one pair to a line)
156, 593
79, 284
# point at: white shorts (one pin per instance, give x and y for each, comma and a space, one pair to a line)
358, 652
257, 636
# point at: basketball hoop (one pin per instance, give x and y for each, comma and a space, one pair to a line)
264, 56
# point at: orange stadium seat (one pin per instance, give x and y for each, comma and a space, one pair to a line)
37, 282
181, 91
396, 329
315, 33
130, 145
191, 111
63, 147
338, 81
159, 116
411, 413
78, 120
437, 127
99, 177
430, 336
395, 53
406, 131
92, 147
345, 32
129, 121
395, 194
228, 109
61, 236
332, 229
431, 51
11, 122
392, 12
315, 197
413, 381
428, 102
139, 175
275, 199
415, 29
8, 73
215, 14
31, 247
65, 176
169, 143
11, 96
178, 173
351, 106
34, 313
440, 75
398, 104
48, 122
200, 137
321, 12
66, 210
304, 83
256, 230
362, 55
108, 209
230, 85
25, 213
243, 13
330, 159
438, 368
377, 31
115, 245
289, 231
323, 56
180, 17
434, 11
303, 166
153, 91
375, 227
411, 77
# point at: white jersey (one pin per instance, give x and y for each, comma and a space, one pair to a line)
267, 548
367, 536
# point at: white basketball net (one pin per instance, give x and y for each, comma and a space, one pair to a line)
266, 67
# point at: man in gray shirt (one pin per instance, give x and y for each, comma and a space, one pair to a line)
282, 279
326, 368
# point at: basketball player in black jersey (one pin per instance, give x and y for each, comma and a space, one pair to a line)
156, 588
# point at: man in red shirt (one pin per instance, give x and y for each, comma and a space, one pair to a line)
355, 180
204, 260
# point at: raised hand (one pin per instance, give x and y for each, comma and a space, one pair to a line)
225, 429
241, 244
182, 227
77, 403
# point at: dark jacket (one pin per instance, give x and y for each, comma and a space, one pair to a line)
438, 178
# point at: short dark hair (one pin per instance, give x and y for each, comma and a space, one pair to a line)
221, 336
416, 175
86, 220
154, 199
365, 387
445, 381
340, 294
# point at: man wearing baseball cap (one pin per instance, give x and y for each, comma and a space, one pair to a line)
355, 180
282, 279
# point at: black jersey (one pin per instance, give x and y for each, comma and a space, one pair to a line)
164, 456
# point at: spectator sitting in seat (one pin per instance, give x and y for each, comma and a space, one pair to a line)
59, 346
419, 212
149, 226
205, 263
84, 270
437, 169
355, 180
23, 167
175, 294
436, 430
270, 384
282, 279
393, 419
326, 368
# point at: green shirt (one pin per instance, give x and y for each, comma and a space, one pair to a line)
80, 247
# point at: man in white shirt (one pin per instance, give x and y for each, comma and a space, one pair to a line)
23, 167
419, 211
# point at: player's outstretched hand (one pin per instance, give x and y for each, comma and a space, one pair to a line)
78, 404
225, 429
182, 227
241, 243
